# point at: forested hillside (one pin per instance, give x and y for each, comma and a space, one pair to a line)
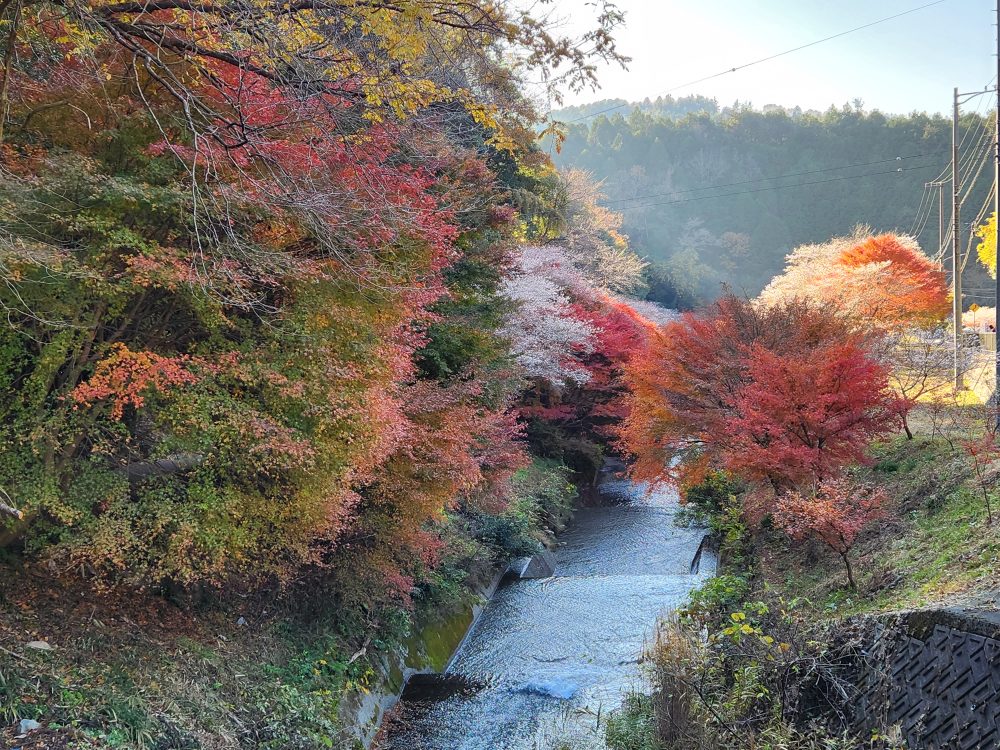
288, 344
696, 183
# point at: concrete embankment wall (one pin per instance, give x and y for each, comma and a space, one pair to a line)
428, 650
934, 674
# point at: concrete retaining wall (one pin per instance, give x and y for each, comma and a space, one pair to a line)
934, 674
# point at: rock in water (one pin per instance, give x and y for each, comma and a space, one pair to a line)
562, 689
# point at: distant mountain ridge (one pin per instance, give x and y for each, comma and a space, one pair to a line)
674, 108
719, 196
662, 106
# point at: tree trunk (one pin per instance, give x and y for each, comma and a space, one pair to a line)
906, 429
850, 570
10, 510
163, 466
8, 62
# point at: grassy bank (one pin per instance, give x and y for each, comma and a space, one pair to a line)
935, 546
120, 676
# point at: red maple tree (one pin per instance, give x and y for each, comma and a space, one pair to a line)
835, 513
784, 396
805, 414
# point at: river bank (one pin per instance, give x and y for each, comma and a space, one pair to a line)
288, 667
549, 657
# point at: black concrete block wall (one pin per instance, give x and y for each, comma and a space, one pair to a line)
936, 676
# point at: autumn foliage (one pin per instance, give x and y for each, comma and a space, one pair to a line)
877, 281
986, 248
836, 513
784, 396
266, 316
574, 339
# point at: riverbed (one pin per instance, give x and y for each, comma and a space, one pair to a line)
549, 658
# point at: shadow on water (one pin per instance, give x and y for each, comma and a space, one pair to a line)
553, 655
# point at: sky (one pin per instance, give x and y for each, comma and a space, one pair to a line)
907, 64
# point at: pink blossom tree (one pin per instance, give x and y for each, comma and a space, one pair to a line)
544, 329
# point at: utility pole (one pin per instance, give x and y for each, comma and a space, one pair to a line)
956, 261
996, 215
956, 216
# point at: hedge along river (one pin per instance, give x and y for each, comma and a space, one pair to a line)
549, 658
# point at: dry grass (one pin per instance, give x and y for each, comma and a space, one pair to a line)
676, 656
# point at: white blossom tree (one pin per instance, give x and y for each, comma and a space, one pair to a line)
543, 331
593, 240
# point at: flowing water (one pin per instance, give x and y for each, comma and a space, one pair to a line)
550, 657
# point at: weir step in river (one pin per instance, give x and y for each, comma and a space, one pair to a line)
549, 658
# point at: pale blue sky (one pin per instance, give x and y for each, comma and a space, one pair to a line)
910, 63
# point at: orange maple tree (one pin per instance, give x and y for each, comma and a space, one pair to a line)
878, 282
910, 286
807, 413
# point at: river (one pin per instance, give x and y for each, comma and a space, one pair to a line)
549, 658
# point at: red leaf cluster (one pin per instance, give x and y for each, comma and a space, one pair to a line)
783, 395
126, 378
806, 414
836, 513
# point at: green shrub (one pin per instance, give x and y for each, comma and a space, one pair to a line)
713, 495
541, 503
583, 456
716, 598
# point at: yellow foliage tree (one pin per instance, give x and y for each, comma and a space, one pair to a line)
987, 247
382, 61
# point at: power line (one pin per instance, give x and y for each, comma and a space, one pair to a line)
945, 244
924, 210
967, 161
916, 218
769, 57
985, 157
917, 230
763, 179
776, 187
